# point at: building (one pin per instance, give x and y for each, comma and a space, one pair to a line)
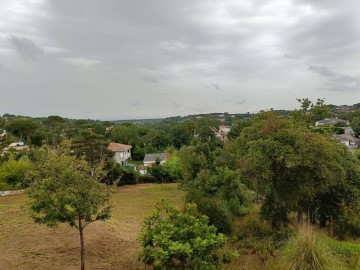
222, 133
331, 121
122, 152
154, 158
15, 147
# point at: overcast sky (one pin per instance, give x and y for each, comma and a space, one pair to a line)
118, 59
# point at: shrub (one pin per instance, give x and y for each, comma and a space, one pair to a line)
121, 176
13, 172
307, 251
173, 239
215, 209
146, 178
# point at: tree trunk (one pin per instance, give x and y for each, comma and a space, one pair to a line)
82, 245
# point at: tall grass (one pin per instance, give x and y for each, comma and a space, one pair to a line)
307, 251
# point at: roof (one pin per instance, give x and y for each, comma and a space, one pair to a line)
118, 147
16, 144
153, 157
330, 121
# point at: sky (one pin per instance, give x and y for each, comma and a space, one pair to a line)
128, 59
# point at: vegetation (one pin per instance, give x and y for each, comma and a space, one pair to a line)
307, 251
276, 173
110, 244
65, 191
173, 239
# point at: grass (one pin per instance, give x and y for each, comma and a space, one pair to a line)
109, 245
307, 251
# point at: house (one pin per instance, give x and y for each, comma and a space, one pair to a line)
331, 121
122, 152
17, 147
349, 141
222, 133
151, 159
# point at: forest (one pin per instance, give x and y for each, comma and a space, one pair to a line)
279, 190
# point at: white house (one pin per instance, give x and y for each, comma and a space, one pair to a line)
122, 152
17, 147
150, 159
331, 121
348, 140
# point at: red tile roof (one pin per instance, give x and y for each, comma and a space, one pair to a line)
118, 147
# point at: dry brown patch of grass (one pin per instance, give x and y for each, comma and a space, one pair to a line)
109, 245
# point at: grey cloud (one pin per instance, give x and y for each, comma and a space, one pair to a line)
150, 79
336, 81
135, 103
132, 49
27, 49
240, 102
216, 87
289, 56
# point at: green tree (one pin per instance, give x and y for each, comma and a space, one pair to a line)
193, 159
297, 170
2, 122
355, 125
172, 239
180, 136
91, 146
126, 134
23, 127
64, 191
55, 124
157, 139
310, 112
238, 127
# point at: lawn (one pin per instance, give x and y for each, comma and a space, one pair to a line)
109, 245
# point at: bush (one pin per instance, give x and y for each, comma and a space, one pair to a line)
13, 172
146, 178
216, 209
307, 251
173, 239
121, 176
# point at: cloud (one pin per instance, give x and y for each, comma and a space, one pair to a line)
135, 103
150, 79
82, 62
27, 49
291, 56
194, 51
336, 81
216, 87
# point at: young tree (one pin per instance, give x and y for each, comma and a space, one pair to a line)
65, 192
172, 239
355, 125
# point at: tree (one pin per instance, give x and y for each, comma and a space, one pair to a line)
311, 112
172, 239
355, 125
91, 146
23, 127
54, 124
298, 170
126, 134
180, 136
64, 191
156, 138
2, 122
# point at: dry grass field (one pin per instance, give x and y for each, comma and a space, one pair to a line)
109, 245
